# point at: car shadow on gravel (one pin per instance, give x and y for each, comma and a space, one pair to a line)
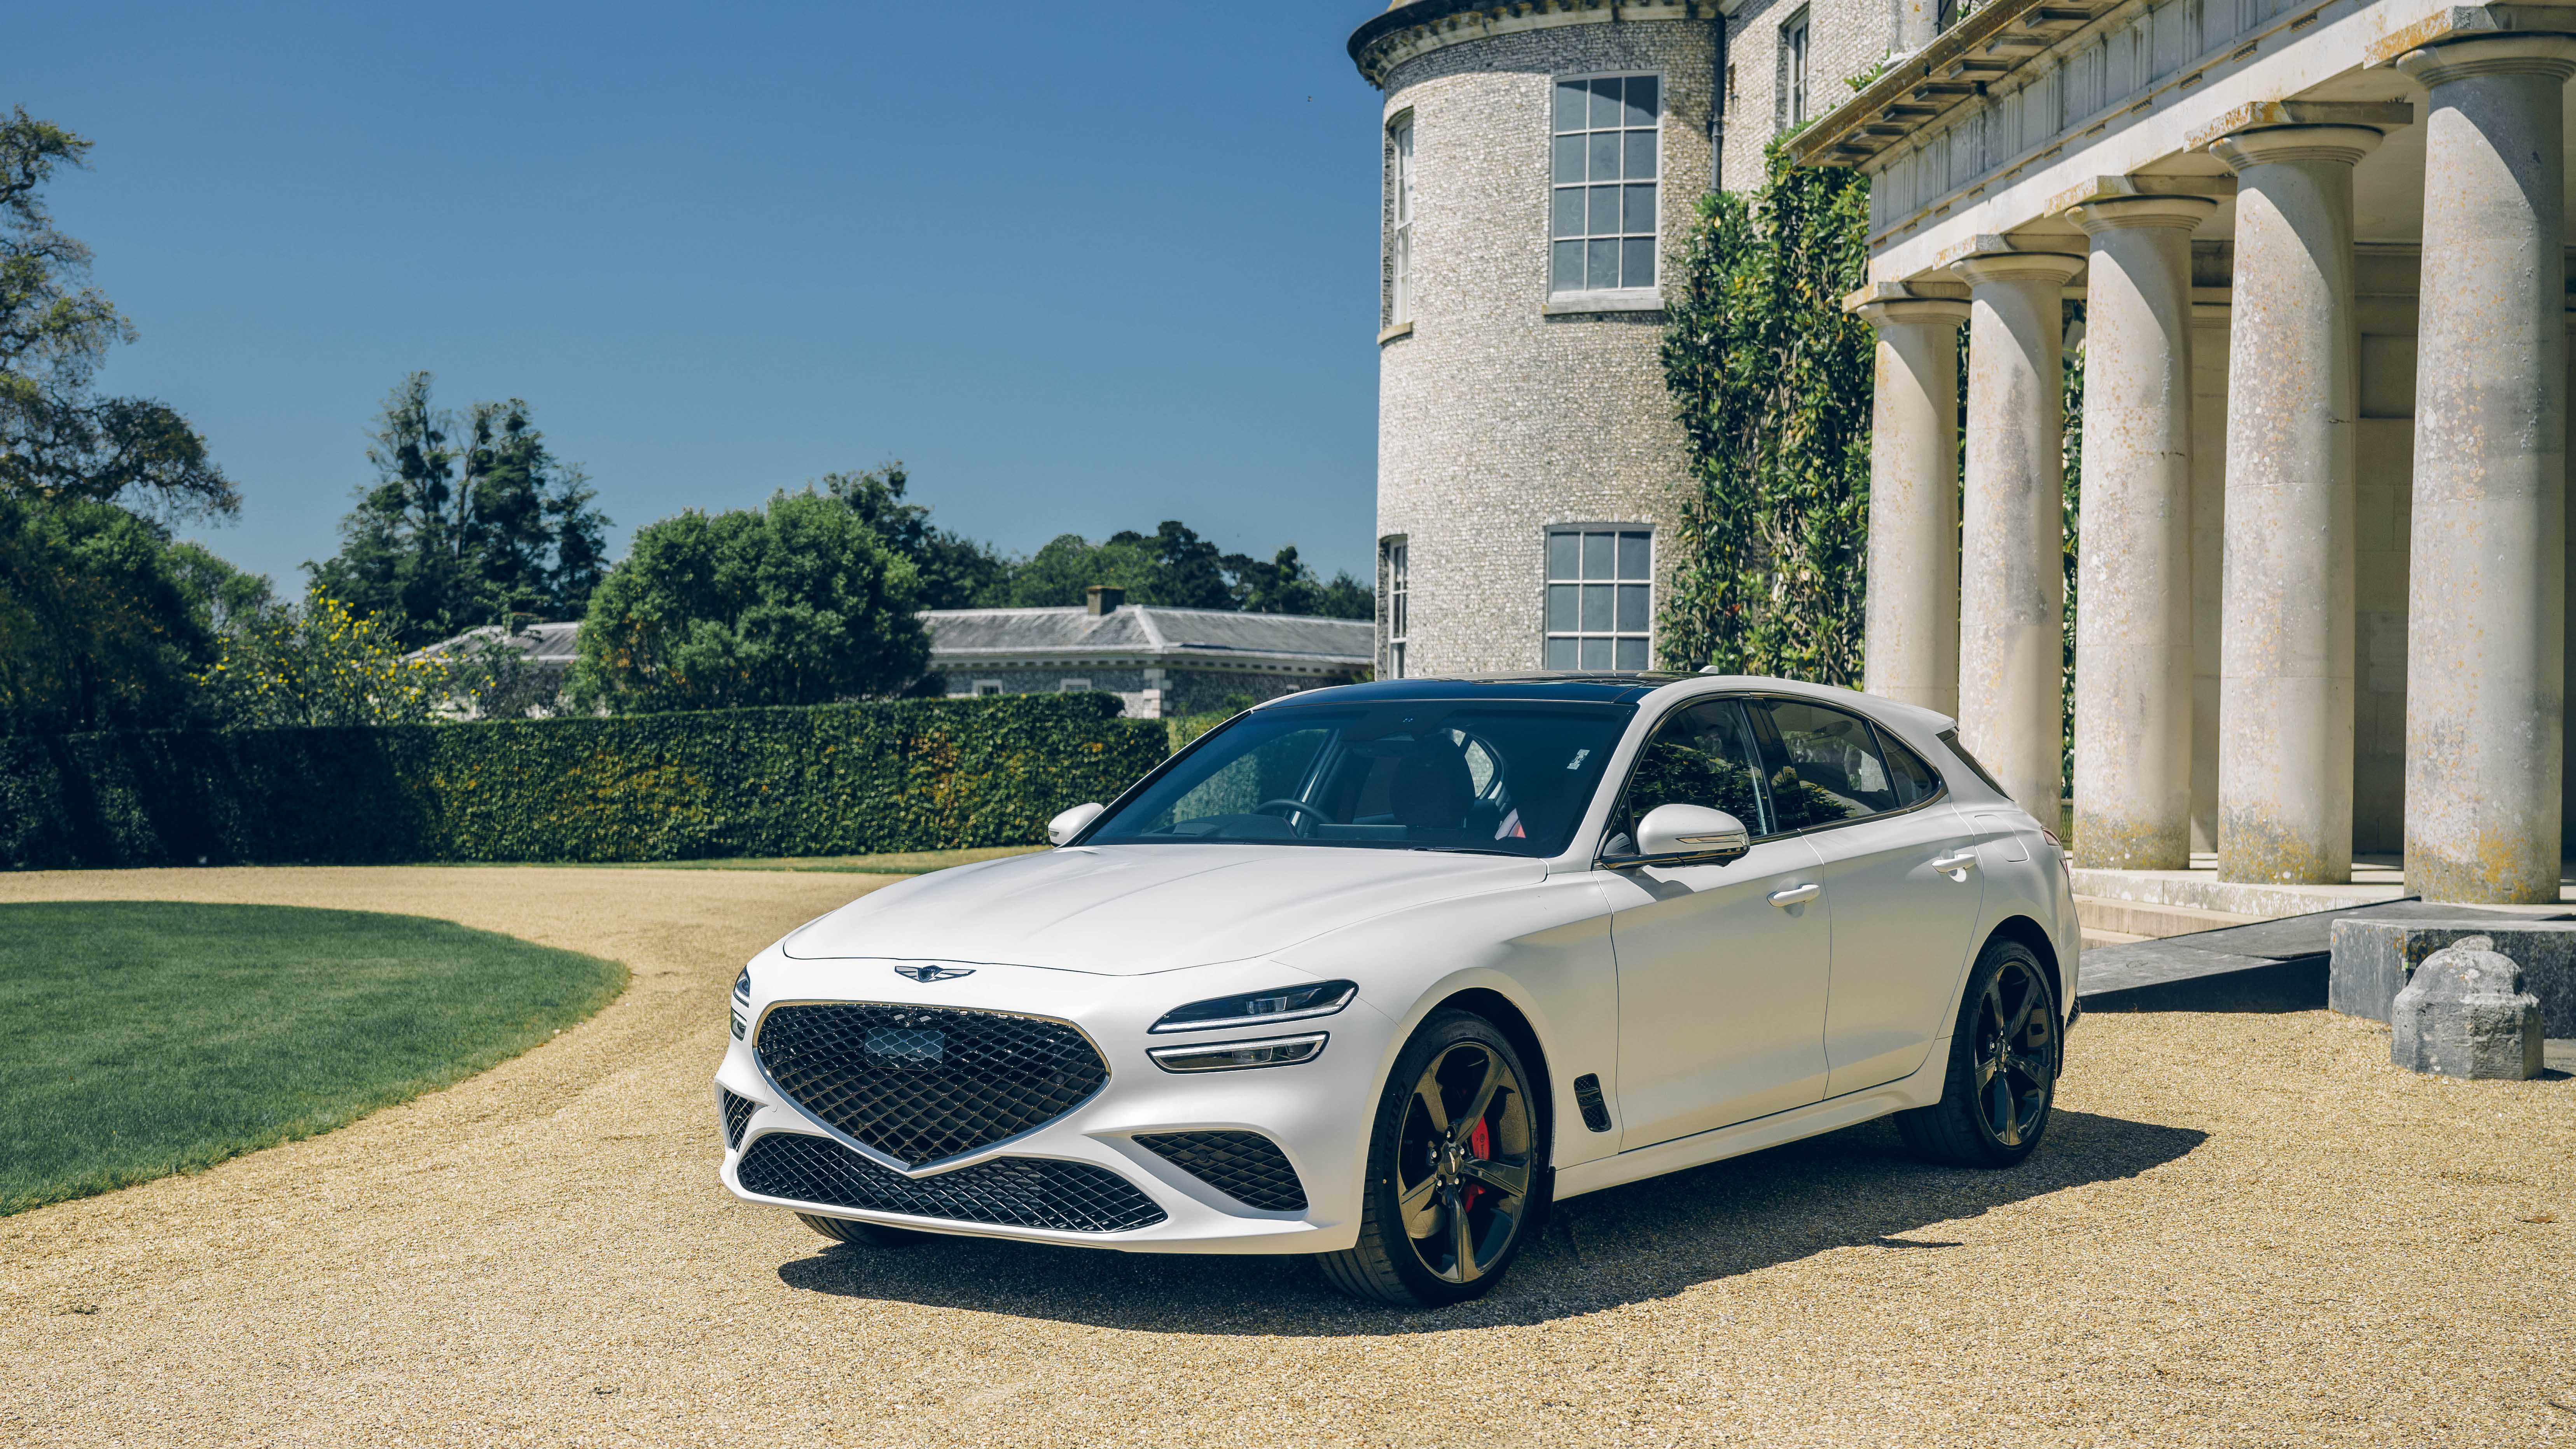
1648, 1240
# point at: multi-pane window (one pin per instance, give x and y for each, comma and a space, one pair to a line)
1793, 56
1602, 218
1399, 243
1599, 598
1395, 607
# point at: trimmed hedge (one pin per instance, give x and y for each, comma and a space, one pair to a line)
850, 779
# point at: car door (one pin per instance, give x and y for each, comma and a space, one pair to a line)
1721, 968
1899, 865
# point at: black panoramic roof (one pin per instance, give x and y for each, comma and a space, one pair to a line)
1604, 687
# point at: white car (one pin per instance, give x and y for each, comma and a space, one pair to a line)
1377, 972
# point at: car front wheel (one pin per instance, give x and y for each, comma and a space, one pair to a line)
1456, 1170
2004, 1057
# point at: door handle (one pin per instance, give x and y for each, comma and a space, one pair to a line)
1796, 895
1957, 864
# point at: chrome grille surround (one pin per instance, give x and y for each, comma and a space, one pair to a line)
914, 1086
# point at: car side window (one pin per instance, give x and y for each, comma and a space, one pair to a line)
1915, 782
1699, 755
1822, 765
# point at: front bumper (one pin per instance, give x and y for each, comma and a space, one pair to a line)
1317, 1113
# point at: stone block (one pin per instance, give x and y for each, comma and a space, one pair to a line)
2464, 1014
2373, 959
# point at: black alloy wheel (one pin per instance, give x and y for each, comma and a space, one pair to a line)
866, 1235
2004, 1060
1456, 1170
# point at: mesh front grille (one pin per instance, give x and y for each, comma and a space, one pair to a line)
1245, 1166
1013, 1192
922, 1083
737, 1115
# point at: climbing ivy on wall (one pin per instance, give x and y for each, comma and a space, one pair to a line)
1771, 379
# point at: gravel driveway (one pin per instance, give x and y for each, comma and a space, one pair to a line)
2242, 1229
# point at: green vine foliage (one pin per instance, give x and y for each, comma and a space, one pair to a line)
1772, 381
2071, 449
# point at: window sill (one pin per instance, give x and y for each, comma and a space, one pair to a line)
1566, 304
1400, 329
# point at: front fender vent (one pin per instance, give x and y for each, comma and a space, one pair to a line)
1587, 1097
1245, 1166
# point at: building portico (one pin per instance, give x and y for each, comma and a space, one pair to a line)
2322, 506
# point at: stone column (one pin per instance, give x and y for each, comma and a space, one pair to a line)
2012, 572
2486, 584
1913, 624
2285, 687
2133, 653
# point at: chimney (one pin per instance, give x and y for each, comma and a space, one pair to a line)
1105, 599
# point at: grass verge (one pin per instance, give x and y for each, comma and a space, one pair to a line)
142, 1038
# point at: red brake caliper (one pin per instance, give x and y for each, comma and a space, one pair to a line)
1480, 1145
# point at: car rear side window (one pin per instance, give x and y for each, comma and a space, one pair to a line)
1822, 765
1915, 782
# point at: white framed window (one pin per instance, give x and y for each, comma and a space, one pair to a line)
1605, 167
1073, 686
985, 687
1394, 551
1600, 596
1399, 241
1793, 62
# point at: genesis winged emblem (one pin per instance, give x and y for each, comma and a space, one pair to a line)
928, 973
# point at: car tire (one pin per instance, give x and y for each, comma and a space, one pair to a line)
2005, 1052
1488, 1171
866, 1235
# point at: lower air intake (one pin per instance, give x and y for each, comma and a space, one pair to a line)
1009, 1192
1245, 1166
737, 1115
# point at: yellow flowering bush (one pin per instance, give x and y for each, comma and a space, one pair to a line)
318, 665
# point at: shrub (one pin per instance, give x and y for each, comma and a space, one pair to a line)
820, 780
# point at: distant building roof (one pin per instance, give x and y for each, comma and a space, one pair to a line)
541, 643
1148, 632
1145, 632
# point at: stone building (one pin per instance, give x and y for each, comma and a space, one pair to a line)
1160, 661
1542, 162
2323, 503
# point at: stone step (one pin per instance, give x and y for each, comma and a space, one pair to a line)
2094, 938
2146, 920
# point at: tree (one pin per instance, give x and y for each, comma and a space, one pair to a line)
1286, 586
1174, 568
97, 630
1773, 380
59, 441
1058, 574
318, 665
957, 572
797, 603
453, 536
225, 598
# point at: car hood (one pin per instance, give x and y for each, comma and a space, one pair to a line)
1135, 909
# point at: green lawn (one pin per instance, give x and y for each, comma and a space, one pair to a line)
139, 1039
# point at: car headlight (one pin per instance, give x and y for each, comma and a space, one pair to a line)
742, 987
742, 1003
1260, 1008
1235, 1056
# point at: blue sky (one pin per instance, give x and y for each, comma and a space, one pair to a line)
1082, 267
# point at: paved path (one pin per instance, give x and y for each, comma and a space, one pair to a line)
2243, 1229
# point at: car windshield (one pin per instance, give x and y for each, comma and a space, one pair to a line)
1506, 777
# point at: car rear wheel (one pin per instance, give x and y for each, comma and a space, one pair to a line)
2004, 1057
866, 1235
1456, 1170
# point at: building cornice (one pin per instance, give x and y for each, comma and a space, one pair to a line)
1409, 30
1953, 71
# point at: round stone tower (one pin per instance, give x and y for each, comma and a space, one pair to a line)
1542, 160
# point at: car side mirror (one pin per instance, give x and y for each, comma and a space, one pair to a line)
1687, 835
1068, 825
